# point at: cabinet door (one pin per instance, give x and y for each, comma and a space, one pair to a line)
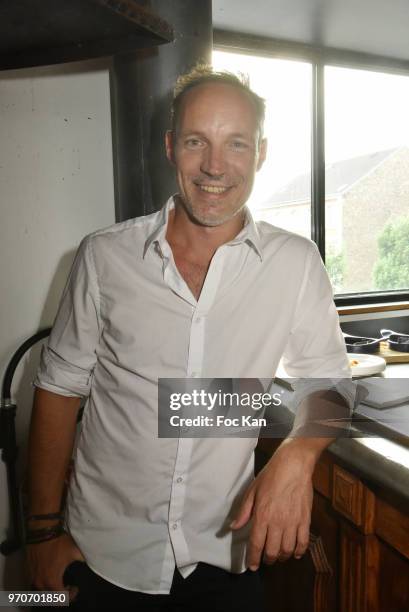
393, 580
308, 584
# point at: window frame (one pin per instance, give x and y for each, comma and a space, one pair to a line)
319, 57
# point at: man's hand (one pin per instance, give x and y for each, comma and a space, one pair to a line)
47, 561
279, 503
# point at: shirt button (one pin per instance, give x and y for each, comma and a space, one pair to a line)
174, 526
179, 479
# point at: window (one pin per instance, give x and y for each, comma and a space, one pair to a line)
279, 196
367, 180
366, 153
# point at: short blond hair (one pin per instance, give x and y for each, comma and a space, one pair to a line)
205, 73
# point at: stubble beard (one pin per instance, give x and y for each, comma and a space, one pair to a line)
208, 221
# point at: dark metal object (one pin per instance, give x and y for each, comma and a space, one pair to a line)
141, 94
373, 297
9, 456
39, 32
9, 446
14, 361
396, 342
360, 344
318, 159
370, 327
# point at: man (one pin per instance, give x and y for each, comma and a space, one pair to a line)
197, 289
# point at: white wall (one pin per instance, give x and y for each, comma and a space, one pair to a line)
56, 185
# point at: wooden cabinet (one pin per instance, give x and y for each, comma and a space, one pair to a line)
358, 558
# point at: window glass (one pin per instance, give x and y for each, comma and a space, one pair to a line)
282, 192
367, 180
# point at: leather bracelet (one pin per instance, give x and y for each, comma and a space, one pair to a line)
45, 530
35, 536
44, 517
40, 540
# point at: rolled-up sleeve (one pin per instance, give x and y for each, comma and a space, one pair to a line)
316, 348
315, 353
68, 359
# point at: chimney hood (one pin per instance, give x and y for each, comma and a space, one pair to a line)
42, 32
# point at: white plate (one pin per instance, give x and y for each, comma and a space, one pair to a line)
367, 364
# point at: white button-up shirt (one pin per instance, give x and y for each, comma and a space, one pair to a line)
137, 504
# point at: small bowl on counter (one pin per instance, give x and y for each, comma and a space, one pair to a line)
395, 340
362, 344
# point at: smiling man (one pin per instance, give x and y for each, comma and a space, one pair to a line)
216, 155
197, 289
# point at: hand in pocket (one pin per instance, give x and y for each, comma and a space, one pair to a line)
47, 562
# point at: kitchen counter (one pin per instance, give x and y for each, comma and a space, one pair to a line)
381, 457
393, 422
358, 556
383, 460
385, 463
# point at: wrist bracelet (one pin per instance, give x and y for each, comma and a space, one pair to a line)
45, 531
34, 536
45, 539
44, 517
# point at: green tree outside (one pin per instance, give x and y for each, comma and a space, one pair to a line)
335, 264
391, 271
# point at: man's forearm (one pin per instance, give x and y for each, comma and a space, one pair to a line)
51, 440
307, 450
321, 418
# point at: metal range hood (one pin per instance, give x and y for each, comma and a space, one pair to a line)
42, 32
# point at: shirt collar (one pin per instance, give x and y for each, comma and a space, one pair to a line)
159, 231
248, 234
